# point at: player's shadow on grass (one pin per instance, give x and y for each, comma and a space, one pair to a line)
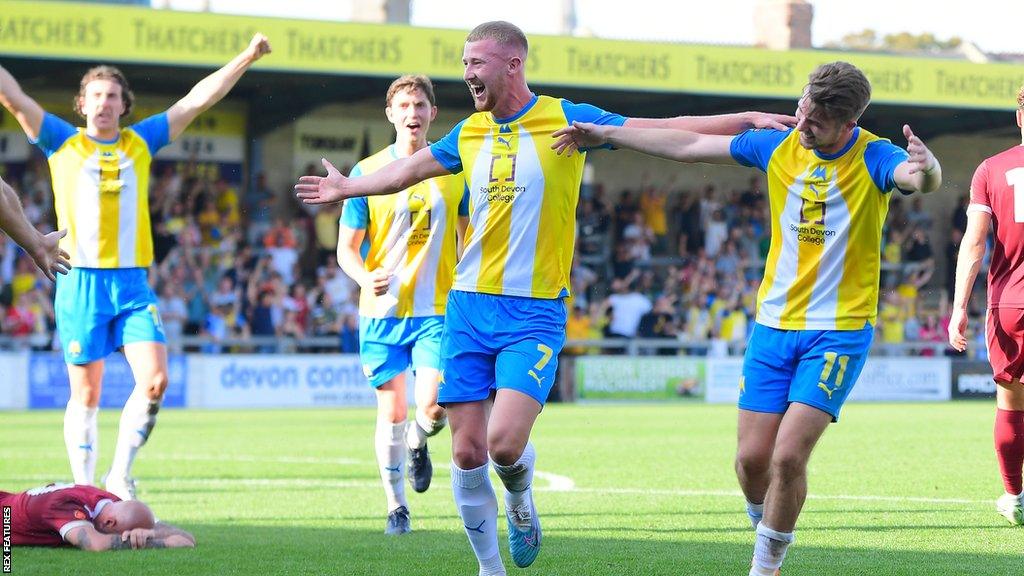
245, 550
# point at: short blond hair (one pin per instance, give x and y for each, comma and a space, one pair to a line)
1020, 98
411, 82
505, 33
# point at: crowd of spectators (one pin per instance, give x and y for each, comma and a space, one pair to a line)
685, 265
658, 262
228, 267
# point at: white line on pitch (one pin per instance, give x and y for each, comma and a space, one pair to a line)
245, 458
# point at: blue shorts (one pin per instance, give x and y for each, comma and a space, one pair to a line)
98, 310
492, 342
814, 367
389, 346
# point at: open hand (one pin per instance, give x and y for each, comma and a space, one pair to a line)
772, 121
49, 256
921, 158
579, 135
322, 189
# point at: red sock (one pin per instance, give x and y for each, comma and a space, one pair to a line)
1009, 435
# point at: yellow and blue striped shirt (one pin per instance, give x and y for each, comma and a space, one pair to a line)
827, 212
412, 235
101, 190
522, 197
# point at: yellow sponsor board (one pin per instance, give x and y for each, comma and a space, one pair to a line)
92, 32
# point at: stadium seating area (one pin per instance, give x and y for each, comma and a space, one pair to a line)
254, 269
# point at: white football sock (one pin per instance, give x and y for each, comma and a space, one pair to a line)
422, 429
478, 507
755, 512
137, 420
518, 477
389, 443
770, 549
81, 438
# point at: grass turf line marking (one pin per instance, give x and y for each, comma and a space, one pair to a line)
555, 482
319, 483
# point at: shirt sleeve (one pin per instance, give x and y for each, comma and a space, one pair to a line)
881, 158
355, 213
446, 150
53, 133
754, 148
62, 514
590, 113
155, 130
980, 200
464, 203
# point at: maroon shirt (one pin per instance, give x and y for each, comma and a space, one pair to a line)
43, 516
998, 188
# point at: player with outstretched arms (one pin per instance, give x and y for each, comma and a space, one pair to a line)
505, 317
401, 249
997, 204
101, 194
829, 183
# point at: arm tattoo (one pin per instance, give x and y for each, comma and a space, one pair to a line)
79, 537
117, 544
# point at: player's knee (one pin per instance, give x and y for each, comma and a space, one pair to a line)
469, 456
87, 394
750, 462
434, 411
505, 452
391, 409
157, 385
788, 464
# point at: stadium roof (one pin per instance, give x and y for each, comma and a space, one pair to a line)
317, 62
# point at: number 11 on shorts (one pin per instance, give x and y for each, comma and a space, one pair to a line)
826, 372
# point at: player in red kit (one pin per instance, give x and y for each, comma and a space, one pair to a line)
997, 201
86, 517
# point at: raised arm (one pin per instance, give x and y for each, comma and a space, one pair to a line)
968, 262
396, 176
43, 249
921, 172
86, 537
211, 89
676, 145
721, 124
27, 111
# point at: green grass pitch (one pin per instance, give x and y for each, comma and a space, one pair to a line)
625, 489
